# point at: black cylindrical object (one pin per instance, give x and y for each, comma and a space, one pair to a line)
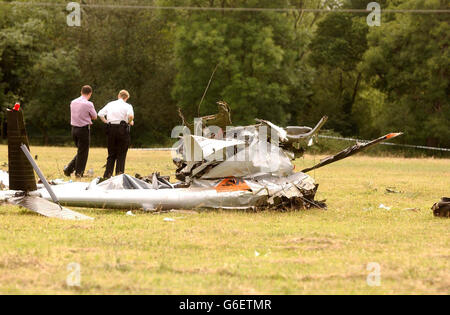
21, 173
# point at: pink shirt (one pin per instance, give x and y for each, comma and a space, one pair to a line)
82, 112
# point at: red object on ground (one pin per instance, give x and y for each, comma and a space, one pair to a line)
16, 107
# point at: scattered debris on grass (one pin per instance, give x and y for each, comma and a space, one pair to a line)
382, 206
260, 253
442, 208
393, 190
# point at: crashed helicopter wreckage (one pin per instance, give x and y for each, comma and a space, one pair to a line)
242, 168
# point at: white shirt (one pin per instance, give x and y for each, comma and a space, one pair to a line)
117, 111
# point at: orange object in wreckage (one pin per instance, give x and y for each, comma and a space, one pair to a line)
232, 184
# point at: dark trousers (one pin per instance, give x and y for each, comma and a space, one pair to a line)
118, 143
82, 138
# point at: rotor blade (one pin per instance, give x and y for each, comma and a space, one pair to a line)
351, 151
310, 134
47, 208
41, 176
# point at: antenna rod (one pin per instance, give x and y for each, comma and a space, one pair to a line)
206, 90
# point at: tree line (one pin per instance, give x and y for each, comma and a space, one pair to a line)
289, 67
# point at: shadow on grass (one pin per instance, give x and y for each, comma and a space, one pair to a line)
118, 212
28, 213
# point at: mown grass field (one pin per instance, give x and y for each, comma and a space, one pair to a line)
214, 252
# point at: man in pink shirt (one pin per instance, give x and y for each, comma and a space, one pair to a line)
82, 113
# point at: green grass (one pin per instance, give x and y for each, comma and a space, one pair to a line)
213, 252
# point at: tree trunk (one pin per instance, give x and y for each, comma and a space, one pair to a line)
432, 142
355, 90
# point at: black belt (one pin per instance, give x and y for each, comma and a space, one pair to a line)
87, 127
122, 124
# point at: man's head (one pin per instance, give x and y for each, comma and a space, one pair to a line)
86, 91
124, 95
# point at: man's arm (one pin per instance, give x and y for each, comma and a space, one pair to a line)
92, 112
131, 116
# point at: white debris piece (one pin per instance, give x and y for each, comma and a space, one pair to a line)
4, 179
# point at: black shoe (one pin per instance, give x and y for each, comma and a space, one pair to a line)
67, 172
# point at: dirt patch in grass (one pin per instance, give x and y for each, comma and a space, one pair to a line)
310, 244
11, 262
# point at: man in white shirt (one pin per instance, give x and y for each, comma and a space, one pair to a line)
119, 116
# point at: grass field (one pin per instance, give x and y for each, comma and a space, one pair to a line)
233, 252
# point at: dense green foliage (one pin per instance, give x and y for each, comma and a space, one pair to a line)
287, 67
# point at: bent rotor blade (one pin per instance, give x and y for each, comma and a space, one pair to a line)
351, 151
47, 208
309, 135
40, 174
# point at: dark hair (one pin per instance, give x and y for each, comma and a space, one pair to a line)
86, 90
